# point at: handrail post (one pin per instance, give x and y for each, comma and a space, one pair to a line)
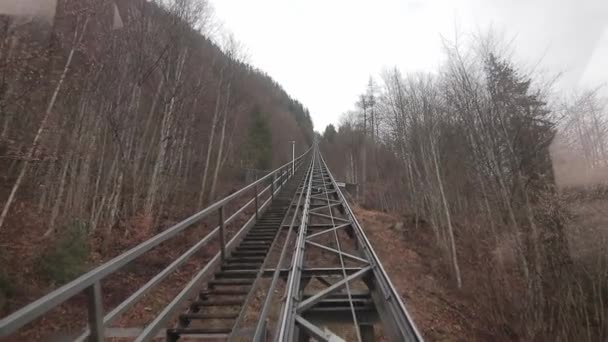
256, 203
95, 309
282, 177
222, 241
274, 178
265, 331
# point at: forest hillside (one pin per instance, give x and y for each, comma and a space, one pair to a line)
115, 118
505, 180
484, 188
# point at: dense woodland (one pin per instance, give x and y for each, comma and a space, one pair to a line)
121, 112
490, 165
116, 116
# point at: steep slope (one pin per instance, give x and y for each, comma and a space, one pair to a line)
117, 119
439, 313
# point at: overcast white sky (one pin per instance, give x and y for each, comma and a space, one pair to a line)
323, 51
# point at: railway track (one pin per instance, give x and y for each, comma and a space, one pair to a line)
333, 285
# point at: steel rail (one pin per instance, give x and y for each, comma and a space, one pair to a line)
288, 310
404, 322
341, 257
90, 281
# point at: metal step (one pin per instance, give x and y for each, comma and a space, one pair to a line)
230, 282
248, 254
240, 267
224, 292
238, 274
193, 316
256, 243
253, 249
244, 265
198, 331
259, 238
244, 260
216, 302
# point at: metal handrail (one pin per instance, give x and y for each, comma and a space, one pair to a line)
91, 281
293, 280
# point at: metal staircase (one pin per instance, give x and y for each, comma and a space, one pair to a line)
217, 309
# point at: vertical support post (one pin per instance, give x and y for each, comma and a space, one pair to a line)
274, 178
265, 331
293, 158
95, 308
222, 242
367, 332
284, 176
301, 334
257, 208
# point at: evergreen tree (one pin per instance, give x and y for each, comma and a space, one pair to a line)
330, 133
259, 151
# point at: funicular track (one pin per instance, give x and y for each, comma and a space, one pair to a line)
300, 265
336, 288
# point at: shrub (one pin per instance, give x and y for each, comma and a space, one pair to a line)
7, 289
67, 258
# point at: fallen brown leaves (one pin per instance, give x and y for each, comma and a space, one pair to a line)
438, 311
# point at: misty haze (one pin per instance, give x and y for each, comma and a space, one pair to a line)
233, 170
41, 9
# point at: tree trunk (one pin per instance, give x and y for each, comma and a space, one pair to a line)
167, 129
448, 220
218, 163
216, 112
75, 42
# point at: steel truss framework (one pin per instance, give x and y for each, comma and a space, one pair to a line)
335, 279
